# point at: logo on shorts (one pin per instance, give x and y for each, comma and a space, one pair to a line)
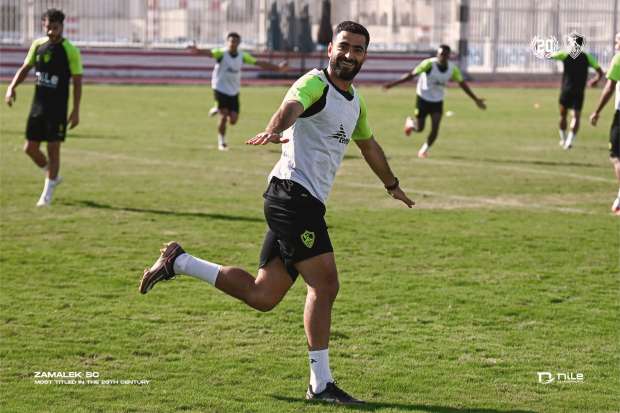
308, 238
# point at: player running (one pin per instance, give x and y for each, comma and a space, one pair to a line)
434, 74
226, 81
321, 113
56, 61
574, 80
613, 81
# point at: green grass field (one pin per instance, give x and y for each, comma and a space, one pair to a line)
508, 266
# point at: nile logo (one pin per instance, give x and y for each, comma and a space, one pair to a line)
308, 238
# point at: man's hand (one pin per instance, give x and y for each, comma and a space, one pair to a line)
594, 118
593, 82
264, 138
480, 103
74, 119
192, 48
398, 193
10, 96
387, 86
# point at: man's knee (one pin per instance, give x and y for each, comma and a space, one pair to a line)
31, 148
263, 302
327, 289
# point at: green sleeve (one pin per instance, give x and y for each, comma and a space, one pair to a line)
306, 90
75, 60
32, 52
217, 53
457, 76
362, 129
248, 58
592, 61
561, 55
614, 70
424, 66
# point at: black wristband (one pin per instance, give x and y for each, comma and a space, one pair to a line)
393, 186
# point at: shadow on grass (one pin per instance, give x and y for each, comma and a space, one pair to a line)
524, 162
372, 406
223, 217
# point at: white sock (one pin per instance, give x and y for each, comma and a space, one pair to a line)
320, 374
197, 268
562, 135
424, 147
570, 139
221, 139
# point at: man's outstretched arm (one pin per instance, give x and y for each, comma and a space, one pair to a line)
605, 96
470, 93
19, 77
283, 119
375, 158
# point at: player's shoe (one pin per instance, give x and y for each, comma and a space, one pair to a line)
568, 144
561, 142
332, 394
222, 146
422, 154
410, 125
213, 111
615, 207
163, 269
46, 197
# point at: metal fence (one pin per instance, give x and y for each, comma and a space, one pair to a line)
494, 34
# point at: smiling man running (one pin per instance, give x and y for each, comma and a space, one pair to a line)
321, 113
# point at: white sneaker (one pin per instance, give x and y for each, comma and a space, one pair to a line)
222, 147
213, 111
48, 192
568, 144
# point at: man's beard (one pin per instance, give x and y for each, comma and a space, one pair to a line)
344, 73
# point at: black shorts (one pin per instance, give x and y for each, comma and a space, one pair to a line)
46, 128
225, 101
614, 136
297, 229
571, 99
424, 107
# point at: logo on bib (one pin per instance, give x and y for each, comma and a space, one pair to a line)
308, 238
341, 135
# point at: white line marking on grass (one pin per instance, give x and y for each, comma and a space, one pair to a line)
475, 201
466, 201
480, 164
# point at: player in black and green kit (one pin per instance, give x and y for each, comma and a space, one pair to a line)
574, 81
55, 61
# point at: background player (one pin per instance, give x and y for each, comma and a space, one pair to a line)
434, 75
574, 80
55, 60
613, 81
226, 81
320, 115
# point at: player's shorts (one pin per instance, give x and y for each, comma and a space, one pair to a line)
297, 229
614, 136
571, 99
425, 107
225, 101
47, 128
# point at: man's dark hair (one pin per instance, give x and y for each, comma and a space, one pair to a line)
445, 48
53, 16
233, 34
352, 27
